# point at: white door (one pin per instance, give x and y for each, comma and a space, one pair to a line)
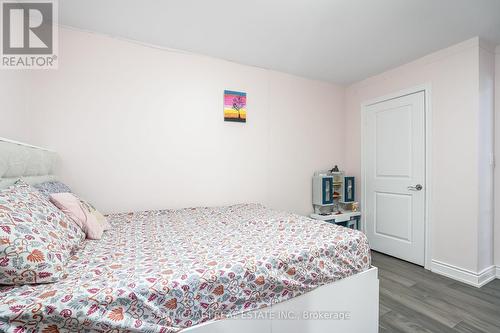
394, 175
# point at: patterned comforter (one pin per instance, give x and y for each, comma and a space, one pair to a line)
162, 271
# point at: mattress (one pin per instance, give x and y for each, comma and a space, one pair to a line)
165, 270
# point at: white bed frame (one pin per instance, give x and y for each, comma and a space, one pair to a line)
349, 305
355, 298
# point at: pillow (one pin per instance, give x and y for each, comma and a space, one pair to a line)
52, 187
73, 232
47, 188
79, 213
98, 215
33, 247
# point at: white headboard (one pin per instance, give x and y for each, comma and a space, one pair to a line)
19, 160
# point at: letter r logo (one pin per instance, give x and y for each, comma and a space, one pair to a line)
27, 27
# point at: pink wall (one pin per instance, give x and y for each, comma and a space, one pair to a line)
139, 127
453, 75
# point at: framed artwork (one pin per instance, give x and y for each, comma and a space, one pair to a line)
235, 106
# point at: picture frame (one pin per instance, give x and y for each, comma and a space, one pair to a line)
235, 106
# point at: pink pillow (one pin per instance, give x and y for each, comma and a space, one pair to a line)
72, 207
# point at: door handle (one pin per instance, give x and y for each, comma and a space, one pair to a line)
417, 187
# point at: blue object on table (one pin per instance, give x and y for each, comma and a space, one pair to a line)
349, 187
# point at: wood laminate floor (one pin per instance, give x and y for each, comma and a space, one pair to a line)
413, 299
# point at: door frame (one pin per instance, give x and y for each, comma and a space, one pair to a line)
427, 89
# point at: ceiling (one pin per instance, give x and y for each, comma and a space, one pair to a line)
340, 41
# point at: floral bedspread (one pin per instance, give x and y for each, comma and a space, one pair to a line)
162, 271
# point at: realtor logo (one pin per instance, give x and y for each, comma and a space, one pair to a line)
29, 34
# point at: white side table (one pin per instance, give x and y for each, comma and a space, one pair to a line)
347, 219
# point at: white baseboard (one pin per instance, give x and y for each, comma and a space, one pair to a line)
464, 275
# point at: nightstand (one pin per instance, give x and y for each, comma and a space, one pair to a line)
347, 219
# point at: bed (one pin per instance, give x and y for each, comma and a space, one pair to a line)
242, 268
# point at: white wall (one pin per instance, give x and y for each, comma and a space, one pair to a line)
453, 74
497, 156
485, 155
14, 122
140, 128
